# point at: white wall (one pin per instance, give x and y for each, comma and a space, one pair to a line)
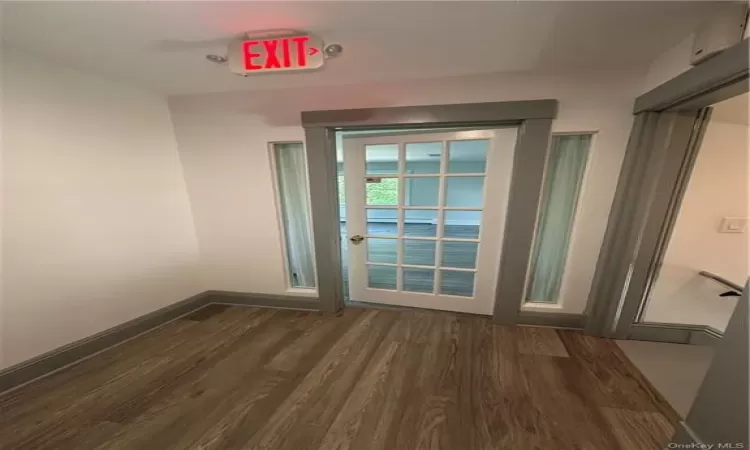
97, 227
2, 201
223, 142
718, 187
669, 64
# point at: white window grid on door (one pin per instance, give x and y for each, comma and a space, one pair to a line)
437, 267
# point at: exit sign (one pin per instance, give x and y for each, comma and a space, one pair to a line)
276, 54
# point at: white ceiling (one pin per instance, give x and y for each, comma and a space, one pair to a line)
734, 110
161, 45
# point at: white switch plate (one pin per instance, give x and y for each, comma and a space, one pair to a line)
733, 225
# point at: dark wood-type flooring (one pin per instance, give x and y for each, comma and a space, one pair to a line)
249, 378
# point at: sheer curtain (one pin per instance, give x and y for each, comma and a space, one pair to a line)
562, 184
292, 180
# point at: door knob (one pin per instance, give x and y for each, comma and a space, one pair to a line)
357, 238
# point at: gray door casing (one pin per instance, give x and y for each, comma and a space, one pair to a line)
666, 135
668, 128
534, 119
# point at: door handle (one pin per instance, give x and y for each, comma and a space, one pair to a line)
357, 238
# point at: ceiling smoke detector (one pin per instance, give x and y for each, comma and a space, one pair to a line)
218, 59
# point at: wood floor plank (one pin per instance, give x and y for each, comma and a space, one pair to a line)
231, 377
85, 372
608, 376
431, 396
557, 412
302, 420
540, 341
367, 418
74, 412
239, 414
639, 430
174, 418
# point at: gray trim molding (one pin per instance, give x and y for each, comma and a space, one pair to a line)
672, 151
676, 334
534, 118
657, 162
554, 320
59, 358
324, 205
529, 161
727, 68
612, 272
431, 115
263, 300
685, 437
668, 128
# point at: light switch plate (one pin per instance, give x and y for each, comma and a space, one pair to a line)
733, 225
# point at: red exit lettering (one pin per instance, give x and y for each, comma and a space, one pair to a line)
277, 53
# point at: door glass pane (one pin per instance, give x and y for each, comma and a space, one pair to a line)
421, 191
460, 254
423, 157
420, 223
464, 192
420, 253
381, 277
382, 250
381, 191
381, 159
418, 280
457, 283
462, 224
562, 184
468, 156
382, 221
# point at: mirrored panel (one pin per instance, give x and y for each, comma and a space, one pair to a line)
462, 255
419, 252
381, 277
380, 191
381, 159
382, 221
382, 250
421, 191
467, 192
462, 224
423, 157
418, 280
420, 223
457, 283
468, 156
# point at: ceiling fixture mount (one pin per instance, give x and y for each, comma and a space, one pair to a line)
218, 59
333, 50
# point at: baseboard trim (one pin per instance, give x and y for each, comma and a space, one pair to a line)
676, 334
264, 300
54, 360
48, 363
553, 320
685, 437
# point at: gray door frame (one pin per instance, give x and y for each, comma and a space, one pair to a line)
666, 135
719, 413
534, 119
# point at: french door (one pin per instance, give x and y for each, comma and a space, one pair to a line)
425, 215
